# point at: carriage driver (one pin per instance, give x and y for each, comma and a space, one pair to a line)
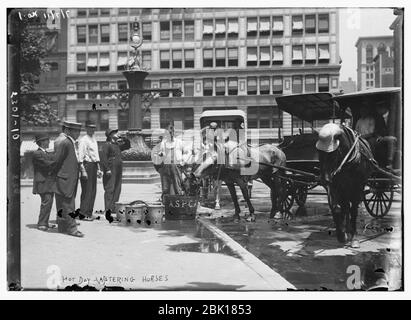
373, 127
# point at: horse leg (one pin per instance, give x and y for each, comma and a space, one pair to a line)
217, 194
231, 188
244, 190
340, 216
275, 194
353, 225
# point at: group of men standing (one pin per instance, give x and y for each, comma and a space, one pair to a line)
57, 173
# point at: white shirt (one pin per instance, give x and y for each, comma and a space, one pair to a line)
173, 151
88, 149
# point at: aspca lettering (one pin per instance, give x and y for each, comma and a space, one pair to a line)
182, 204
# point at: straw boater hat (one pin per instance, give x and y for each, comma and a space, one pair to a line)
90, 124
110, 131
326, 141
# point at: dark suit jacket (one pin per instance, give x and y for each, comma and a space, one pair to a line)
44, 179
381, 129
67, 168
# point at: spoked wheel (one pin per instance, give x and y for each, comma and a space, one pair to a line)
301, 195
289, 197
378, 197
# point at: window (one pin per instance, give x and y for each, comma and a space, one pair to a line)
105, 33
99, 117
147, 84
146, 31
81, 62
264, 56
122, 32
121, 61
277, 55
207, 57
177, 59
220, 29
310, 54
297, 25
121, 84
297, 54
81, 86
146, 59
122, 120
251, 27
252, 85
310, 24
81, 13
220, 57
180, 116
93, 86
323, 23
105, 85
165, 30
189, 30
188, 87
324, 53
323, 84
104, 64
164, 84
208, 29
263, 117
188, 58
277, 85
278, 26
232, 28
251, 56
232, 86
264, 27
122, 11
207, 87
177, 30
264, 85
81, 34
176, 84
164, 59
92, 62
93, 12
297, 84
92, 34
310, 84
369, 54
232, 57
105, 12
220, 87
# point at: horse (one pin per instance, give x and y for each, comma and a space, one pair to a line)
346, 163
239, 168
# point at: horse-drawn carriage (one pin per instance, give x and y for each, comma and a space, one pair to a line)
302, 155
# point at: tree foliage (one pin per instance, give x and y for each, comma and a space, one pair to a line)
36, 109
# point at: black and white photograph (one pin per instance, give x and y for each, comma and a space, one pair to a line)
203, 148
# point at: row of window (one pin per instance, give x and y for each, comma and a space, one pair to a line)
212, 58
103, 12
227, 28
263, 85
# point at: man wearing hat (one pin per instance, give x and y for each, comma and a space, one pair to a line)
67, 173
43, 182
112, 166
89, 157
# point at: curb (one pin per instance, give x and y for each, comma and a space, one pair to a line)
274, 280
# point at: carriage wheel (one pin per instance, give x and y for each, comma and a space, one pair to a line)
288, 200
301, 195
378, 197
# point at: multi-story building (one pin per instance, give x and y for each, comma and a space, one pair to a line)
367, 49
384, 68
220, 58
348, 86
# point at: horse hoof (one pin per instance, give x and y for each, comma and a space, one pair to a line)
217, 207
236, 218
355, 244
342, 237
250, 219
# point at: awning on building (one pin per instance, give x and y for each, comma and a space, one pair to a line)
122, 60
310, 53
252, 26
92, 62
297, 54
104, 61
324, 53
232, 27
265, 25
278, 25
220, 27
278, 54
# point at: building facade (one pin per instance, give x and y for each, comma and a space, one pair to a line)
367, 50
384, 68
220, 58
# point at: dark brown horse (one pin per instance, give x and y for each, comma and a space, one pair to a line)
345, 165
236, 165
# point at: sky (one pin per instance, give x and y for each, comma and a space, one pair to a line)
360, 22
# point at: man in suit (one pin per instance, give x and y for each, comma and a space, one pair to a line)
67, 173
43, 182
112, 169
89, 157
